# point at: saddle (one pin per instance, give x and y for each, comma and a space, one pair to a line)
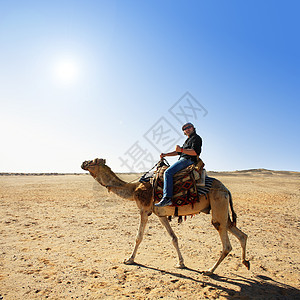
185, 184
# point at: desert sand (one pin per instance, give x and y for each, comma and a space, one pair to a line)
66, 237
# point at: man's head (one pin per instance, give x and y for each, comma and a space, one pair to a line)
188, 129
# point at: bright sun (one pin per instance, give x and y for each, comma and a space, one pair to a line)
66, 71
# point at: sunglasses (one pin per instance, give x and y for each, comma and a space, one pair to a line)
187, 127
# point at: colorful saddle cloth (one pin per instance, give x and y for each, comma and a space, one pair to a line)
184, 186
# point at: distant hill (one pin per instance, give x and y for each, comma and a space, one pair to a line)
254, 172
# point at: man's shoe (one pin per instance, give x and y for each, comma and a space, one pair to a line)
164, 202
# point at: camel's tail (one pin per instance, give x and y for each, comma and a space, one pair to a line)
234, 216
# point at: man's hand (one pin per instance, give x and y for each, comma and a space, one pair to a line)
178, 148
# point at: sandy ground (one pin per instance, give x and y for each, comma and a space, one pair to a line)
65, 237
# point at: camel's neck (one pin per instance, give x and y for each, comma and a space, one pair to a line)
113, 183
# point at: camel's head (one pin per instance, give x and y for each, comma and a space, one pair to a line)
93, 165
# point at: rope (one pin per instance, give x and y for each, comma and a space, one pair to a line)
160, 161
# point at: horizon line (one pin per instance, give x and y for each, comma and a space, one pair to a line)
257, 170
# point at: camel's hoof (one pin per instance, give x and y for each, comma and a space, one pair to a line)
247, 264
180, 266
208, 272
129, 261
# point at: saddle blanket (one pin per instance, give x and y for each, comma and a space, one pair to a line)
185, 190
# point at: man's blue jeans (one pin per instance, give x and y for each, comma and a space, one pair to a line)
169, 173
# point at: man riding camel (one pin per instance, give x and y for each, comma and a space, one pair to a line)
189, 153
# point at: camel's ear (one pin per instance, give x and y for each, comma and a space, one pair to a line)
99, 161
102, 161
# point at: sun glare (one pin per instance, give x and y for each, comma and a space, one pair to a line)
66, 71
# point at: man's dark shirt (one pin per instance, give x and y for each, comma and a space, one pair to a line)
193, 142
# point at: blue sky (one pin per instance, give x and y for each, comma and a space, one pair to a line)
86, 79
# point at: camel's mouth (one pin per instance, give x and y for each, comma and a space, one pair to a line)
90, 163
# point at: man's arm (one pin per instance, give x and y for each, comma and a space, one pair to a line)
190, 152
173, 153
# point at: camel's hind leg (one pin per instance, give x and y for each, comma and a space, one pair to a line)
167, 225
139, 237
226, 246
242, 237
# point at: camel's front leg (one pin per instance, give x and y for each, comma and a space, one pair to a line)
139, 237
166, 223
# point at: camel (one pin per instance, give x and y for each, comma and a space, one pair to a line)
219, 199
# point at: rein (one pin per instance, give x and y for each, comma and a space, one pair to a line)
163, 160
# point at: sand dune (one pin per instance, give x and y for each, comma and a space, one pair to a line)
65, 237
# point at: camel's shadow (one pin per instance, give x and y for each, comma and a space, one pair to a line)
261, 288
